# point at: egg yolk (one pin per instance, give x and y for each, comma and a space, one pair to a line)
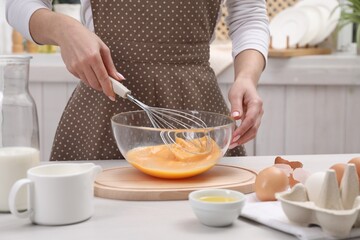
181, 160
219, 199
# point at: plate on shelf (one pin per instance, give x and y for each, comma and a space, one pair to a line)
290, 22
316, 24
330, 13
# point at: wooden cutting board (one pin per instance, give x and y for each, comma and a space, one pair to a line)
128, 183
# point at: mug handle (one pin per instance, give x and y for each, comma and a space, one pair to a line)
12, 197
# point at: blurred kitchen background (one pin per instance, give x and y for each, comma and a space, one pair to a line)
311, 102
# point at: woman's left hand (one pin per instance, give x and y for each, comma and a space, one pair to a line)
246, 105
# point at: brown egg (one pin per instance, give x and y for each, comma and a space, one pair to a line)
339, 170
270, 181
356, 161
299, 175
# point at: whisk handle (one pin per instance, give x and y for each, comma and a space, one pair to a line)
119, 89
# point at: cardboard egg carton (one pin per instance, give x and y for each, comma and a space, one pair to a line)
334, 209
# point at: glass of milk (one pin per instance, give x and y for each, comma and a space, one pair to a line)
19, 128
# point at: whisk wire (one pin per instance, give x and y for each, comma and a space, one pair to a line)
170, 120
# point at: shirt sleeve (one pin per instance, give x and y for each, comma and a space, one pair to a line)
19, 12
248, 26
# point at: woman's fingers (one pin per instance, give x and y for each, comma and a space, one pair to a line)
252, 115
248, 128
248, 135
245, 100
102, 77
83, 78
91, 78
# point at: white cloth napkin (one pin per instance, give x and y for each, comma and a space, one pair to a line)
272, 215
220, 56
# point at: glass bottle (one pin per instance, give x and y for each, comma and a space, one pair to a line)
19, 128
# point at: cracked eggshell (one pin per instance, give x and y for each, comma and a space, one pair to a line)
300, 175
292, 164
295, 166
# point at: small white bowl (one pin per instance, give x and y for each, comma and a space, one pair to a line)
220, 213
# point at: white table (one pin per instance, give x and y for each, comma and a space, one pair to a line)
127, 220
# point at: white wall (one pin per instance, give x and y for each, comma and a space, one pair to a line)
5, 31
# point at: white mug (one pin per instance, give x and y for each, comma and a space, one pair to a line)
14, 163
58, 194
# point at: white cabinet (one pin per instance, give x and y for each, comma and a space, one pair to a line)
311, 103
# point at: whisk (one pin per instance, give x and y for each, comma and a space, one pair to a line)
174, 122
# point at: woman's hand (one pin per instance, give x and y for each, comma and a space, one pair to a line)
85, 55
89, 59
245, 101
246, 105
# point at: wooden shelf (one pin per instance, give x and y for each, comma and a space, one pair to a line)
294, 52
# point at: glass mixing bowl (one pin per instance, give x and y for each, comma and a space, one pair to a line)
143, 146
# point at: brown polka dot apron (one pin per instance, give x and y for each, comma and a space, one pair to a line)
162, 49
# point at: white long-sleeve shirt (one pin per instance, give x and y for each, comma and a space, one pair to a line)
247, 21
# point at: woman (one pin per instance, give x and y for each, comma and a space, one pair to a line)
161, 47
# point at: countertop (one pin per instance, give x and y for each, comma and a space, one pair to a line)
154, 220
